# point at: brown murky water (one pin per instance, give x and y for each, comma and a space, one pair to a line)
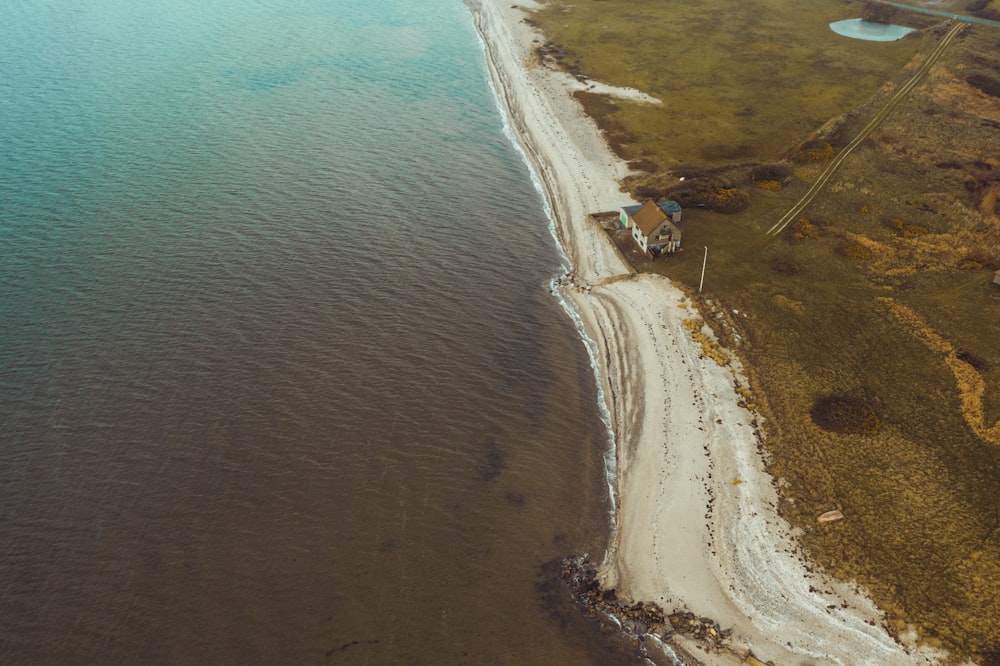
281, 380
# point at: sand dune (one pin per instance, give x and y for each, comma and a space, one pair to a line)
697, 525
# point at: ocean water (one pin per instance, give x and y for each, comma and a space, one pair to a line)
281, 380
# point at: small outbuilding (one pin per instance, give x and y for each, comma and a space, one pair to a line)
654, 226
996, 277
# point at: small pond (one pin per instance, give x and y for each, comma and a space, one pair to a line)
873, 32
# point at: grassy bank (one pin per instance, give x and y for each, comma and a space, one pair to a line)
869, 326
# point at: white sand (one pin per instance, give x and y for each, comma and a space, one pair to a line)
688, 537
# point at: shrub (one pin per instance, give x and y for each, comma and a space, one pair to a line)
728, 200
784, 267
904, 230
801, 229
893, 223
911, 230
777, 171
976, 362
877, 12
845, 415
709, 347
814, 150
985, 84
852, 249
987, 256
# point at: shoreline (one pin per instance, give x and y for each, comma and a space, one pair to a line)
696, 526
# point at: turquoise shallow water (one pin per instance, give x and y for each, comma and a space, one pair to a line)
870, 31
280, 377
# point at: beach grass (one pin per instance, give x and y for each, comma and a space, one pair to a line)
738, 81
879, 297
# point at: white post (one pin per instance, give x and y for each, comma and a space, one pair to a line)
704, 261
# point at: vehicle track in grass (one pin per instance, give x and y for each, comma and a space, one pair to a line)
883, 113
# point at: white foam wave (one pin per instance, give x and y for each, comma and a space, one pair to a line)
610, 453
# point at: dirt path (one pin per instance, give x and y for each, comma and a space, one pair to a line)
889, 107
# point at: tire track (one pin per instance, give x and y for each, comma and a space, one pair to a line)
889, 107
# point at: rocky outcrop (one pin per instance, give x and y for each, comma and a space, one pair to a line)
643, 619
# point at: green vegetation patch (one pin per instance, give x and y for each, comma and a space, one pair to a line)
738, 81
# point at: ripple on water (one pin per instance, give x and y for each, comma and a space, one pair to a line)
278, 368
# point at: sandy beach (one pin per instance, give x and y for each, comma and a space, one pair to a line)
697, 527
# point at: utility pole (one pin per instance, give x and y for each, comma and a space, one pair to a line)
703, 263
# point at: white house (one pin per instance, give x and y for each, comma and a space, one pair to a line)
655, 226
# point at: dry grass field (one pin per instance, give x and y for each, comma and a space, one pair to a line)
870, 326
